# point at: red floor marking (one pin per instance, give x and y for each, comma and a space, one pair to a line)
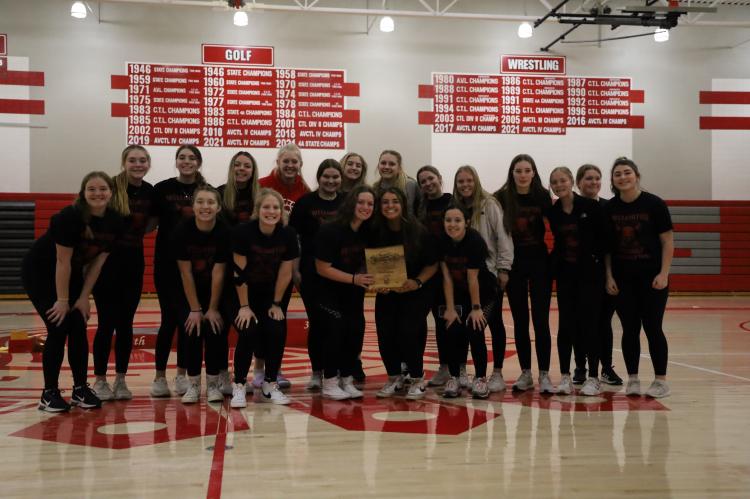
217, 464
745, 325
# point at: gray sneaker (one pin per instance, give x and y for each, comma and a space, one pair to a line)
103, 391
160, 388
566, 385
441, 377
545, 384
394, 385
480, 389
463, 377
633, 388
452, 388
181, 384
658, 389
120, 388
591, 387
524, 382
496, 382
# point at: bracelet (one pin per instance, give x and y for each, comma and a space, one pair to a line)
243, 306
353, 276
199, 310
63, 300
276, 303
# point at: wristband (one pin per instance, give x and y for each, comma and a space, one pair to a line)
276, 303
476, 307
199, 310
244, 306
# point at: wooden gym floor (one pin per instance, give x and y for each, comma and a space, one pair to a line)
692, 444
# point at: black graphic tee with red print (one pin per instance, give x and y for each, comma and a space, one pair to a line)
634, 230
468, 253
67, 228
579, 235
142, 204
264, 254
243, 206
203, 250
309, 212
528, 229
344, 249
434, 214
174, 202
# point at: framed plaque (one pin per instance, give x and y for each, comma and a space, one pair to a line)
387, 265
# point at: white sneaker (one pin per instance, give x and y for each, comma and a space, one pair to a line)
258, 376
225, 383
213, 394
316, 381
282, 381
160, 388
181, 384
591, 387
633, 387
545, 384
417, 390
524, 382
103, 391
270, 393
566, 385
480, 389
441, 377
332, 390
463, 377
193, 392
658, 389
496, 382
347, 384
392, 386
120, 389
452, 388
239, 397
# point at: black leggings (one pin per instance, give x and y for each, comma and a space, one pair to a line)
195, 344
579, 294
266, 333
605, 335
437, 300
399, 320
463, 335
117, 294
493, 306
640, 304
342, 318
531, 277
310, 290
42, 293
168, 288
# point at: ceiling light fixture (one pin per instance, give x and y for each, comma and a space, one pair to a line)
78, 10
240, 18
387, 25
525, 30
661, 35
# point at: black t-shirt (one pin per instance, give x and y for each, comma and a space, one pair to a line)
203, 250
142, 204
580, 235
634, 230
173, 203
468, 253
426, 250
68, 229
264, 253
243, 206
343, 248
309, 212
528, 229
434, 215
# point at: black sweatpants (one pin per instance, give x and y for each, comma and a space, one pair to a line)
168, 289
638, 304
117, 294
310, 290
399, 320
531, 278
42, 293
266, 333
342, 319
579, 298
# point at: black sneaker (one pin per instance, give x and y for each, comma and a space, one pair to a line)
610, 377
52, 401
85, 398
579, 376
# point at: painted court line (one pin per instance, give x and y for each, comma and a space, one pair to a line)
217, 464
697, 368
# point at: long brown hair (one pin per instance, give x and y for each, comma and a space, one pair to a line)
199, 179
120, 201
508, 193
346, 184
81, 204
473, 204
230, 190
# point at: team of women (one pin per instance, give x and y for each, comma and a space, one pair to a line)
231, 257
